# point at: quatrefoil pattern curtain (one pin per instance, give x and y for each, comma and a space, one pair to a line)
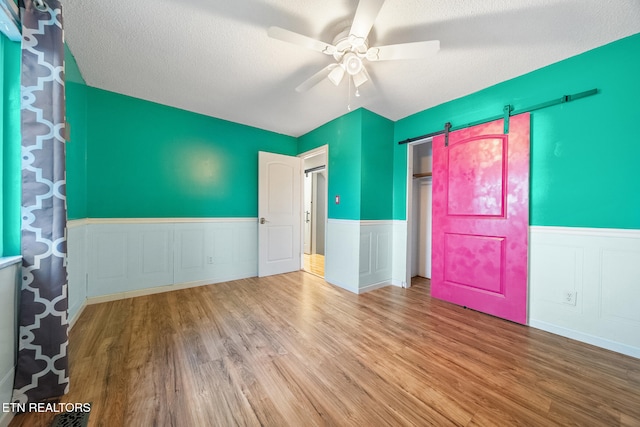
42, 367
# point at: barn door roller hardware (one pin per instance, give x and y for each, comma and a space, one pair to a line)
508, 111
447, 129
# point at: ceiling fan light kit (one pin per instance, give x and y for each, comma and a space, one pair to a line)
350, 49
360, 79
336, 75
352, 63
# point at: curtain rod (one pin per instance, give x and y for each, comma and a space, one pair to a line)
40, 5
508, 111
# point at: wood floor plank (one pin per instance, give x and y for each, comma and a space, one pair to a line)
294, 350
314, 264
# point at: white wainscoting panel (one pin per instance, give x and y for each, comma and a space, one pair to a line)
376, 250
191, 258
399, 254
109, 258
217, 251
129, 257
620, 285
359, 254
77, 267
9, 285
342, 263
601, 267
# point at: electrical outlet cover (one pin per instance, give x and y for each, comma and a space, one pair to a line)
569, 297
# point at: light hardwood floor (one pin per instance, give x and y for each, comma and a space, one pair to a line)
314, 264
291, 350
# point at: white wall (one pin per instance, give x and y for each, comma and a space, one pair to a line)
376, 251
359, 254
9, 285
602, 267
342, 259
421, 228
120, 258
76, 267
423, 157
400, 252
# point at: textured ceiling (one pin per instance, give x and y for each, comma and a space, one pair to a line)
214, 56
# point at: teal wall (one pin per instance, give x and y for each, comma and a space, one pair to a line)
10, 198
157, 161
584, 155
344, 136
360, 164
146, 160
76, 146
377, 167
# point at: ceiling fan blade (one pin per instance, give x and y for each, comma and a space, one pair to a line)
366, 14
316, 78
304, 41
415, 50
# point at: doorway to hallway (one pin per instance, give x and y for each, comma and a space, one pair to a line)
314, 210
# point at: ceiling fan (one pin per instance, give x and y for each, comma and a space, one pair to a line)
351, 49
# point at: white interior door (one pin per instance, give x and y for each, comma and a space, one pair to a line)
279, 216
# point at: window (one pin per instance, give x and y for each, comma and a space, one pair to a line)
10, 147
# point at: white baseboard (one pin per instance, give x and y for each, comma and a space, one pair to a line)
398, 283
373, 287
586, 338
74, 319
159, 290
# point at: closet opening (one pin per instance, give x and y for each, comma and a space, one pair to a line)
419, 209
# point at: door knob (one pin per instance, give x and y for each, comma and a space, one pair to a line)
263, 221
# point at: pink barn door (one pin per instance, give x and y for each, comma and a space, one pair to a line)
481, 218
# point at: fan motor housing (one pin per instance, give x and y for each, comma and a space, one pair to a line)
345, 43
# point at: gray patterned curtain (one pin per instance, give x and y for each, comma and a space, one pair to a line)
42, 368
